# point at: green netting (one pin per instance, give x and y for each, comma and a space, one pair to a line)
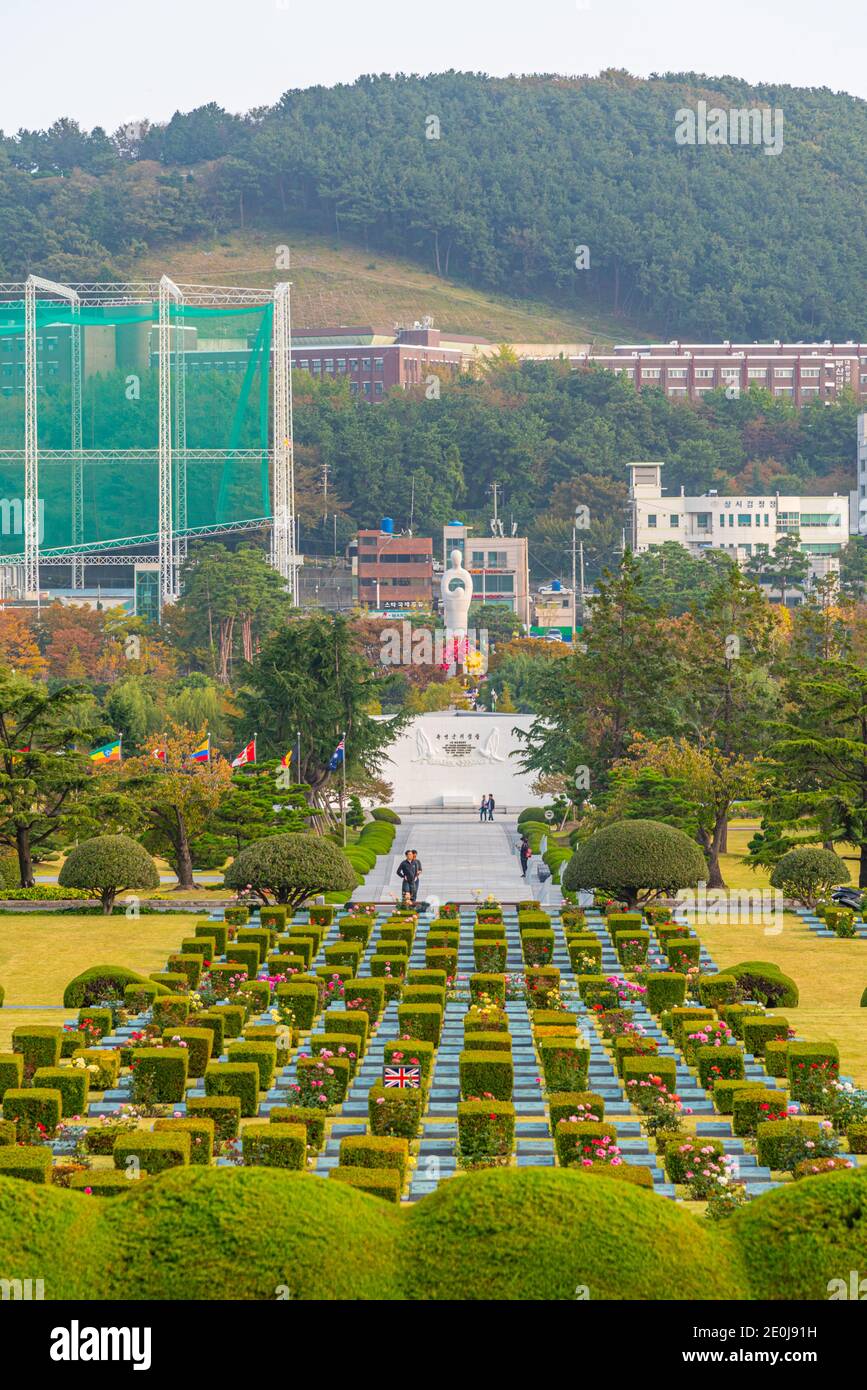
220, 404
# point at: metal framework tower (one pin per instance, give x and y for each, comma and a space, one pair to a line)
284, 557
168, 567
31, 432
19, 573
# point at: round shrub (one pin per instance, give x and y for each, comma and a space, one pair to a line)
631, 855
798, 1238
101, 982
809, 874
292, 868
532, 813
107, 865
384, 813
864, 1000
535, 1234
765, 982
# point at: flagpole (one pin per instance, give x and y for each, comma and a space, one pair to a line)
343, 791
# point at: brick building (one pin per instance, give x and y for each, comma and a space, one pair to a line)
394, 572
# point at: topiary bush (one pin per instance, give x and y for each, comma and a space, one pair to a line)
101, 982
275, 1145
764, 982
32, 1164
632, 857
384, 1183
809, 874
292, 868
107, 865
394, 1111
146, 1151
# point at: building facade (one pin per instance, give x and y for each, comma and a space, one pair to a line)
800, 372
394, 572
499, 566
741, 525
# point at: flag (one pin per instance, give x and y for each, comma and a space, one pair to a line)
246, 755
108, 753
160, 754
286, 760
404, 1078
338, 755
202, 754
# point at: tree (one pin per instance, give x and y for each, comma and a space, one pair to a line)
108, 865
257, 804
228, 595
636, 860
41, 775
809, 874
817, 763
622, 683
785, 568
177, 796
292, 868
311, 678
18, 647
696, 783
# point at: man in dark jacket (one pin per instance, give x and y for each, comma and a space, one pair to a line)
409, 870
524, 852
490, 805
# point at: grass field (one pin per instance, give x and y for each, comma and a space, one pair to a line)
831, 975
40, 954
334, 284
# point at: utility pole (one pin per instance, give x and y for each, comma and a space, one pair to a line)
494, 487
574, 593
325, 491
412, 502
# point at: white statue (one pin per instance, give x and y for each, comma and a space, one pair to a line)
457, 594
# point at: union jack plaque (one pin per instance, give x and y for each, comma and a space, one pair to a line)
402, 1077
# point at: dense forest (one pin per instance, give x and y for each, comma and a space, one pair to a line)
709, 241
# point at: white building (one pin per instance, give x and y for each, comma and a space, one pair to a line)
740, 525
450, 760
858, 518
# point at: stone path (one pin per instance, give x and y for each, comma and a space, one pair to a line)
462, 858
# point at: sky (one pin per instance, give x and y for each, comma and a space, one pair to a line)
105, 62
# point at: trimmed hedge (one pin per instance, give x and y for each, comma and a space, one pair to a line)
367, 995
486, 1128
223, 1110
152, 1152
765, 982
665, 990
685, 1155
200, 1128
303, 1000
38, 1046
375, 1151
239, 1079
379, 1182
565, 1064
722, 1063
313, 1122
275, 1145
754, 1107
574, 1141
562, 1105
394, 1111
805, 1058
262, 1054
31, 1107
486, 1074
217, 931
159, 1074
73, 1083
759, 1031
421, 1021
32, 1164
773, 1136
724, 1092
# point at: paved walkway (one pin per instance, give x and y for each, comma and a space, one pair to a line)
462, 858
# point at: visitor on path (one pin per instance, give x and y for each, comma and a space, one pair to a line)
483, 809
416, 864
409, 873
490, 805
526, 855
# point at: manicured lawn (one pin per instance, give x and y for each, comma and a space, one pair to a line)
830, 974
41, 952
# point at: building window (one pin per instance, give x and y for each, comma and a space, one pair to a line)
329, 365
366, 385
341, 365
674, 519
379, 389
365, 364
353, 364
317, 366
745, 518
353, 388
676, 372
651, 520
822, 548
497, 559
704, 372
788, 521
703, 520
650, 373
377, 364
757, 373
820, 518
477, 558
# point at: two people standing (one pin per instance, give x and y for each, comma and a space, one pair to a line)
486, 809
409, 870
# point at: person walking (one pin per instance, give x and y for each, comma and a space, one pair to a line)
416, 864
483, 809
407, 871
525, 853
490, 805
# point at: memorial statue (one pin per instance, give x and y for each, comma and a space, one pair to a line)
457, 594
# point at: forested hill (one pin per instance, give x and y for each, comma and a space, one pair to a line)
710, 241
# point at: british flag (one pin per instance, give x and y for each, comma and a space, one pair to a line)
403, 1077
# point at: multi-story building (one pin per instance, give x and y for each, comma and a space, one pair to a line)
498, 564
800, 372
741, 525
858, 517
394, 572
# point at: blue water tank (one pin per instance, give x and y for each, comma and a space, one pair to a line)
387, 526
556, 586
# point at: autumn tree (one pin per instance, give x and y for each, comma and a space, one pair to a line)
176, 795
18, 648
